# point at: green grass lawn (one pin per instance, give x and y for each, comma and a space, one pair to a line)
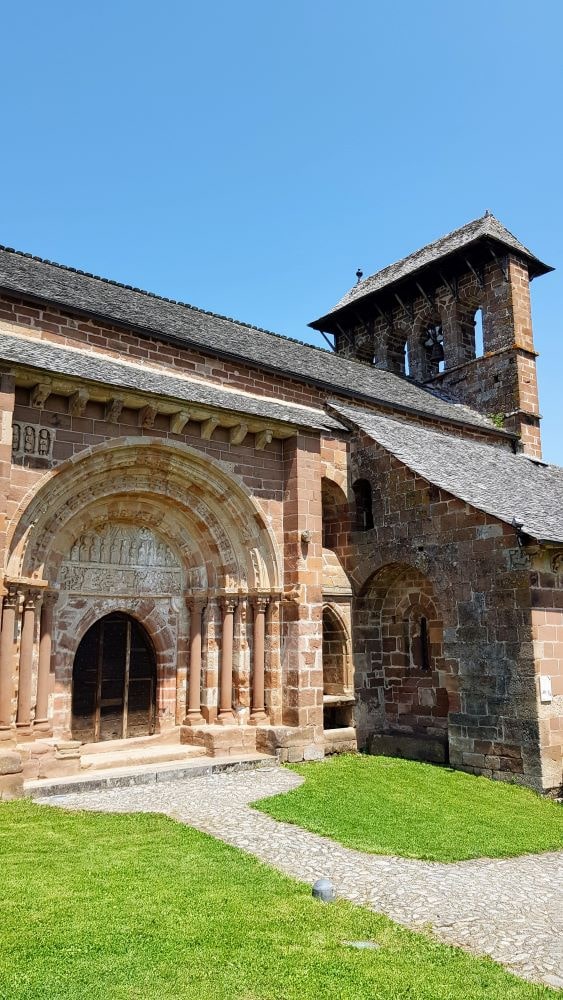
387, 806
139, 907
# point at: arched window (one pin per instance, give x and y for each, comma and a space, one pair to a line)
407, 362
433, 345
363, 520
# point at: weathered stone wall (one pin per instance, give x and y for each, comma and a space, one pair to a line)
547, 636
479, 582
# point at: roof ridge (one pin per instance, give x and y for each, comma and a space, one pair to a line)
160, 298
439, 239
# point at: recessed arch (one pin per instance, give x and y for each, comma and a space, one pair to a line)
194, 489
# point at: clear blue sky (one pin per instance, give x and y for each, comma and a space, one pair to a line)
246, 156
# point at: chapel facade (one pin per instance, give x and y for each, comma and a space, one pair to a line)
220, 541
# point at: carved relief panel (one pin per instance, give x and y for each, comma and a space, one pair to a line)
31, 440
121, 559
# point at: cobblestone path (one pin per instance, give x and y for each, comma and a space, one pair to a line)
509, 909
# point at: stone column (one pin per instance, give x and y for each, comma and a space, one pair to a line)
194, 716
226, 715
44, 668
9, 612
258, 661
23, 718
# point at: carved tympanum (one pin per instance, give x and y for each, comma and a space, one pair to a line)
121, 559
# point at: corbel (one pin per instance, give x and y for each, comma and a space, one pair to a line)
263, 438
113, 410
208, 426
77, 402
40, 394
147, 415
238, 433
178, 421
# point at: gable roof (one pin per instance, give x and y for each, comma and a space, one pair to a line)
490, 478
186, 326
487, 227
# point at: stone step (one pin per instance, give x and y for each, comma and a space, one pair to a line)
144, 774
110, 746
132, 756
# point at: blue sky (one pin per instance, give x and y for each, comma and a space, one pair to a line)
248, 156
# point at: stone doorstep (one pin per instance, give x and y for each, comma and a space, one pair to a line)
219, 740
145, 774
131, 757
341, 740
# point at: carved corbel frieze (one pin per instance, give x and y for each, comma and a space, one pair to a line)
147, 416
238, 433
40, 394
77, 402
263, 438
113, 410
178, 421
208, 426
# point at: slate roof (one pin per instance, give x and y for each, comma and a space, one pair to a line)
42, 281
96, 368
488, 477
485, 227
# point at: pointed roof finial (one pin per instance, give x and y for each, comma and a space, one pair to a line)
359, 275
488, 214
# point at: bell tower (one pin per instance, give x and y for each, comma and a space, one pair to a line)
453, 316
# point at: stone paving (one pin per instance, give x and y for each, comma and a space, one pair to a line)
509, 909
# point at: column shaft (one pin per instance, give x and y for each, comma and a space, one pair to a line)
44, 669
26, 662
7, 658
194, 715
258, 660
226, 682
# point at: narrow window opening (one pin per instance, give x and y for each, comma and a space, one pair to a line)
407, 363
425, 645
479, 348
363, 503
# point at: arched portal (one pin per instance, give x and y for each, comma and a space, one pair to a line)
404, 680
114, 681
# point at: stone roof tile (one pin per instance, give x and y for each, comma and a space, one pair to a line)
47, 357
43, 281
491, 478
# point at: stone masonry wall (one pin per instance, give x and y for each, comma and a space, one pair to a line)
481, 587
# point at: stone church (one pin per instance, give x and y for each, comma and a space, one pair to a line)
220, 541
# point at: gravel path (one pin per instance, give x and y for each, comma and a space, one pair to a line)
509, 909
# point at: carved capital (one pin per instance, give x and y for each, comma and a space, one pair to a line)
11, 598
229, 603
260, 603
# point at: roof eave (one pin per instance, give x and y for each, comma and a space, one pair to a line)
326, 323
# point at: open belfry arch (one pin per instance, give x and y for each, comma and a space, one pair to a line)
216, 540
